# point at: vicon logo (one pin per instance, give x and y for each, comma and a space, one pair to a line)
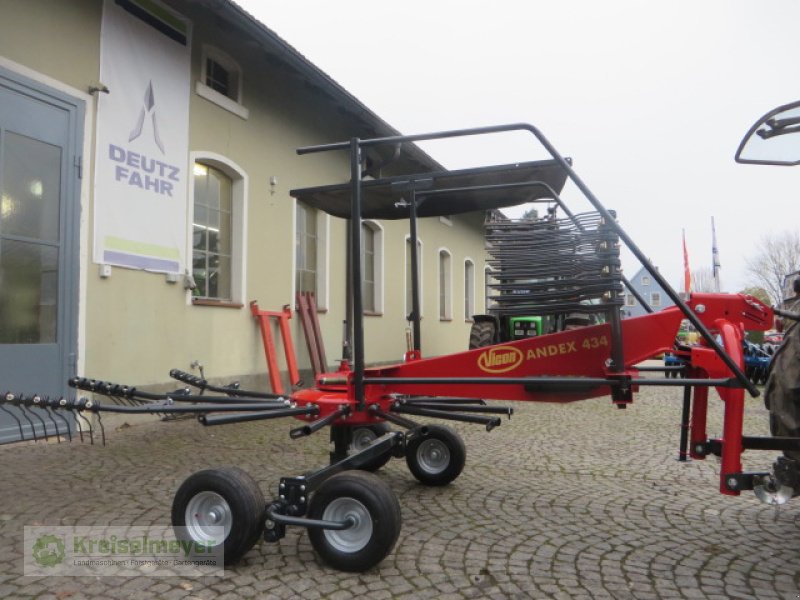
500, 359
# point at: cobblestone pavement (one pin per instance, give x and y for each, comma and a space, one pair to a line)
574, 501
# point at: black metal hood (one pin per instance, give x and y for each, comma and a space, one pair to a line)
442, 193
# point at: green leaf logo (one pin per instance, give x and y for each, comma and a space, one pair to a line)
48, 551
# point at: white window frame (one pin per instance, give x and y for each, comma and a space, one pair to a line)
232, 105
377, 230
655, 298
445, 284
240, 184
323, 223
630, 300
469, 290
645, 280
407, 270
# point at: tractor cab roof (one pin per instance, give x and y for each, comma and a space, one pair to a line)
442, 193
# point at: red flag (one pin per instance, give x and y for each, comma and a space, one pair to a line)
687, 275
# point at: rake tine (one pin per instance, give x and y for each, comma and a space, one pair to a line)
13, 416
62, 402
36, 400
66, 423
63, 418
21, 398
79, 428
121, 400
42, 406
102, 429
89, 425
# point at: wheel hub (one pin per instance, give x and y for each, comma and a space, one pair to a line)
355, 537
362, 437
205, 514
433, 456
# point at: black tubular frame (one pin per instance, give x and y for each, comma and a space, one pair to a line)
617, 363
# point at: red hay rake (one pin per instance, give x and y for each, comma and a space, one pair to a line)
352, 516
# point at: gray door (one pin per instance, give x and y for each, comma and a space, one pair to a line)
39, 207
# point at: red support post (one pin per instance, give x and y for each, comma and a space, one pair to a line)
288, 345
263, 317
732, 445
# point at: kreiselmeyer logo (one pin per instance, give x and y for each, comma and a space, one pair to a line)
49, 550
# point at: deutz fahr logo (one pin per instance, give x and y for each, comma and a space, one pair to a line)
499, 359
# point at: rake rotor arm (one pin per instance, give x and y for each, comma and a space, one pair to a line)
116, 390
170, 408
243, 417
161, 407
231, 390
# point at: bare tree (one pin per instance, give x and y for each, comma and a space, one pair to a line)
777, 256
703, 280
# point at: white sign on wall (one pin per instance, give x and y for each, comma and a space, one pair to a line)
141, 165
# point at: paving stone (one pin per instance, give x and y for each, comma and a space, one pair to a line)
563, 501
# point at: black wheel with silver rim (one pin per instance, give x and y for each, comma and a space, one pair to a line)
435, 454
214, 500
372, 511
363, 436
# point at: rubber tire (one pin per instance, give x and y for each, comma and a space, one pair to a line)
244, 498
378, 429
454, 444
482, 333
384, 512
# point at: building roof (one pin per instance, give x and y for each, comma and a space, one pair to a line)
280, 51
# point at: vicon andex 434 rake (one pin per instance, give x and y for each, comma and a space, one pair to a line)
566, 263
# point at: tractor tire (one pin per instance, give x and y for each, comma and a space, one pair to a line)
227, 498
782, 393
482, 334
372, 506
435, 454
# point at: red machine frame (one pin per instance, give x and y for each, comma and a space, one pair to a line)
578, 364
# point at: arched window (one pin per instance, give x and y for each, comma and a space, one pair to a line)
311, 248
445, 286
306, 249
372, 267
469, 289
219, 190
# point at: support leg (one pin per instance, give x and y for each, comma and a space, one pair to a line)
683, 454
699, 436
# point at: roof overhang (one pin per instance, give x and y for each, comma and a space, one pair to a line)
442, 193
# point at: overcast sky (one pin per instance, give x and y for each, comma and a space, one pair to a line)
650, 99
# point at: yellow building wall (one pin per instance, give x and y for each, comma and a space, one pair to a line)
138, 325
